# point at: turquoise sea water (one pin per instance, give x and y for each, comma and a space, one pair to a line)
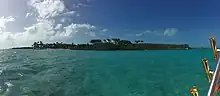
102, 73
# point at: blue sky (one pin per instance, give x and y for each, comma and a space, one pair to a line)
159, 21
194, 19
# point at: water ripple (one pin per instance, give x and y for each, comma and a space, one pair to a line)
99, 73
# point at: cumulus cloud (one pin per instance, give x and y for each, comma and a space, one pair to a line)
170, 31
78, 28
48, 8
46, 27
4, 20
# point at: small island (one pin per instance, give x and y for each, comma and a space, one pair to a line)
108, 44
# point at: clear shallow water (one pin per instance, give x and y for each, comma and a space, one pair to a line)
102, 73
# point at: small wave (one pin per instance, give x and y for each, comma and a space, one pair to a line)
6, 86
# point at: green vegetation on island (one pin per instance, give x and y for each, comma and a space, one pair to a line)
108, 44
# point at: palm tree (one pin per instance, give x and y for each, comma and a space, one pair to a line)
54, 45
137, 41
41, 44
35, 45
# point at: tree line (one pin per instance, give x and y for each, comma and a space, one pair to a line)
109, 44
116, 41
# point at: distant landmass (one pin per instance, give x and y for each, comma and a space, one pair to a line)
108, 44
23, 48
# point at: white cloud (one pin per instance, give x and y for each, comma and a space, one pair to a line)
45, 32
170, 31
104, 30
58, 26
139, 34
28, 14
48, 8
78, 5
166, 32
4, 20
69, 13
45, 28
65, 19
92, 34
143, 33
78, 28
